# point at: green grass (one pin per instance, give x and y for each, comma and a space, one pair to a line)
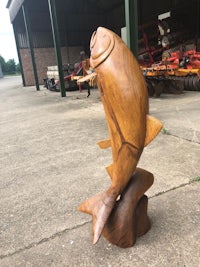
164, 131
197, 179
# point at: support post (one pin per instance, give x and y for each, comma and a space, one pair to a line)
19, 55
56, 39
197, 27
30, 42
131, 14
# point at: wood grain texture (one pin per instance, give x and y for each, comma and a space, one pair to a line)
128, 219
125, 100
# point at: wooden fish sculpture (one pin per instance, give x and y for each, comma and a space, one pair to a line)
125, 99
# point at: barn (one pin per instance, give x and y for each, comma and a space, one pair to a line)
49, 32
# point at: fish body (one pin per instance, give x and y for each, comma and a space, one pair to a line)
125, 99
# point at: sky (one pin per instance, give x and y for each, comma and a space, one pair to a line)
7, 41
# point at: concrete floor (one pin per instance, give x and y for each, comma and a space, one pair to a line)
50, 163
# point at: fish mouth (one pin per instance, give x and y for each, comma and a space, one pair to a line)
101, 45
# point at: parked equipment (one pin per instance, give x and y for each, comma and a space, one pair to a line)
178, 70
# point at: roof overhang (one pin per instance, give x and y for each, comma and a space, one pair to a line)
14, 7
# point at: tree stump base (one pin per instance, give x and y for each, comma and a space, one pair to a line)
129, 218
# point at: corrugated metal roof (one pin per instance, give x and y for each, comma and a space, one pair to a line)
102, 5
77, 19
8, 3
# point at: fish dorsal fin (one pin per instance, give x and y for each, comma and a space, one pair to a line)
104, 143
153, 127
109, 170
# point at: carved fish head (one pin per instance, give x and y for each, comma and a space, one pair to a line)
101, 45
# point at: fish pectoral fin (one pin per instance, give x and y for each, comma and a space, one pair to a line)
104, 144
86, 78
109, 170
153, 127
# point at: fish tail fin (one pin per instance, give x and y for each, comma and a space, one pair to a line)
100, 207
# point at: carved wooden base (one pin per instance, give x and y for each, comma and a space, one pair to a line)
129, 218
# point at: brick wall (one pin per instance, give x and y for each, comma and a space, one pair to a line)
45, 57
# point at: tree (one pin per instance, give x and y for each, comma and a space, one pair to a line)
11, 66
18, 69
